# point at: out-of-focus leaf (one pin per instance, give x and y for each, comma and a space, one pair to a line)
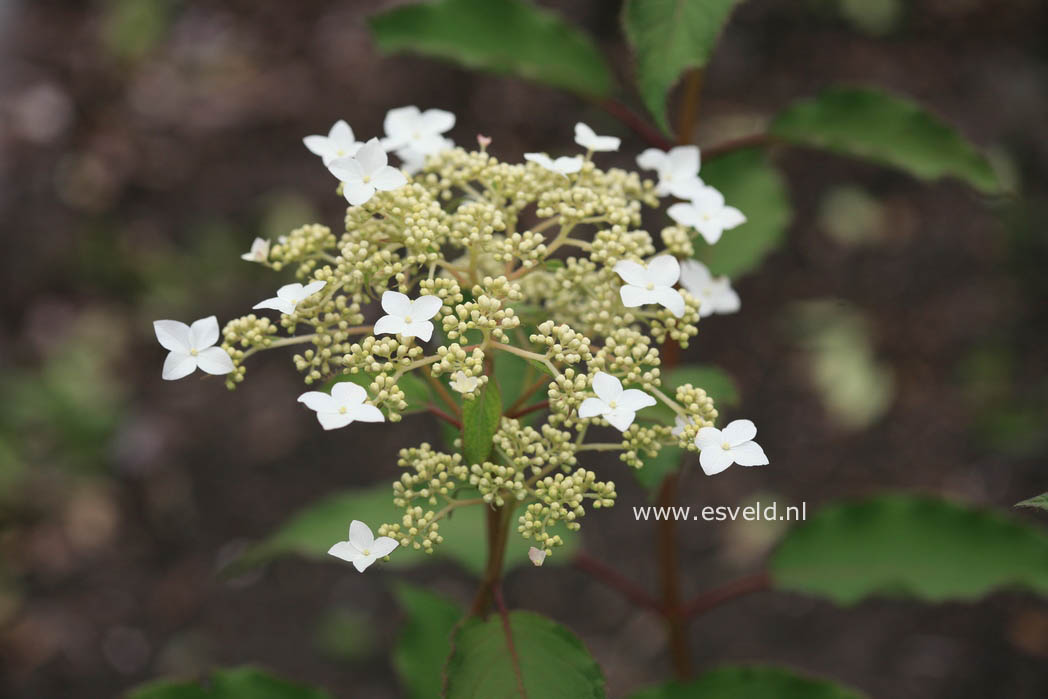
480, 420
546, 661
656, 469
236, 683
131, 28
909, 546
424, 642
345, 634
669, 37
718, 384
851, 216
752, 185
886, 129
509, 37
749, 682
315, 528
1039, 501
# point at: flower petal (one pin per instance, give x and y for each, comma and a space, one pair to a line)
399, 123
422, 329
334, 421
388, 178
606, 386
363, 563
366, 413
276, 304
566, 165
708, 438
348, 393
360, 535
311, 288
358, 193
714, 460
684, 160
711, 230
203, 333
436, 121
592, 407
620, 419
631, 272
684, 214
345, 550
738, 431
290, 292
634, 399
341, 132
664, 270
540, 159
749, 454
694, 276
425, 307
172, 335
215, 360
389, 325
396, 304
372, 157
178, 365
670, 299
346, 170
730, 217
383, 546
634, 296
651, 159
317, 145
318, 401
726, 300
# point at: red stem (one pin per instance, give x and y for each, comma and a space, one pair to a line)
529, 409
617, 581
757, 139
702, 603
636, 123
444, 416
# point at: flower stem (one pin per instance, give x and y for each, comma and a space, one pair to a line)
636, 123
669, 582
689, 106
498, 532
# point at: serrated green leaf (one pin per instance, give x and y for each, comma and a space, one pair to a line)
480, 420
883, 128
312, 531
752, 185
235, 683
1039, 501
508, 37
424, 641
909, 546
549, 663
669, 37
749, 682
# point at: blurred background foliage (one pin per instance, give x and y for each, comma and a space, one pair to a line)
892, 335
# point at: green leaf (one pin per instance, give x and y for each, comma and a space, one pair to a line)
886, 129
235, 683
749, 682
424, 642
669, 37
752, 185
508, 37
547, 660
480, 420
718, 384
909, 546
313, 530
1039, 501
651, 475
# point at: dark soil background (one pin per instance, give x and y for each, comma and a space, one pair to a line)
144, 144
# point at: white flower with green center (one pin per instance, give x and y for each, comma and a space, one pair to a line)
732, 445
678, 169
715, 294
563, 165
588, 139
339, 143
463, 382
366, 172
406, 317
651, 283
363, 548
707, 213
191, 347
343, 406
619, 407
289, 296
422, 132
259, 251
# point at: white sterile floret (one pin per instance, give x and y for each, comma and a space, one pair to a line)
344, 405
588, 139
619, 407
290, 295
339, 143
413, 160
679, 423
732, 445
563, 165
651, 284
706, 213
422, 132
363, 548
407, 318
366, 172
463, 382
259, 251
191, 347
678, 169
537, 556
714, 293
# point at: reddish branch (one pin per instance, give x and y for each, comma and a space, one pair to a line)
758, 139
529, 409
617, 581
636, 123
706, 601
444, 416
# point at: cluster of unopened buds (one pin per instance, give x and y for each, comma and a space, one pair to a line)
474, 262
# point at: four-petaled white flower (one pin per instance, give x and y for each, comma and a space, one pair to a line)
344, 405
339, 143
290, 295
537, 555
588, 139
407, 127
619, 407
707, 213
407, 318
563, 165
732, 445
715, 294
414, 160
651, 284
363, 548
191, 347
366, 172
463, 382
678, 169
259, 251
